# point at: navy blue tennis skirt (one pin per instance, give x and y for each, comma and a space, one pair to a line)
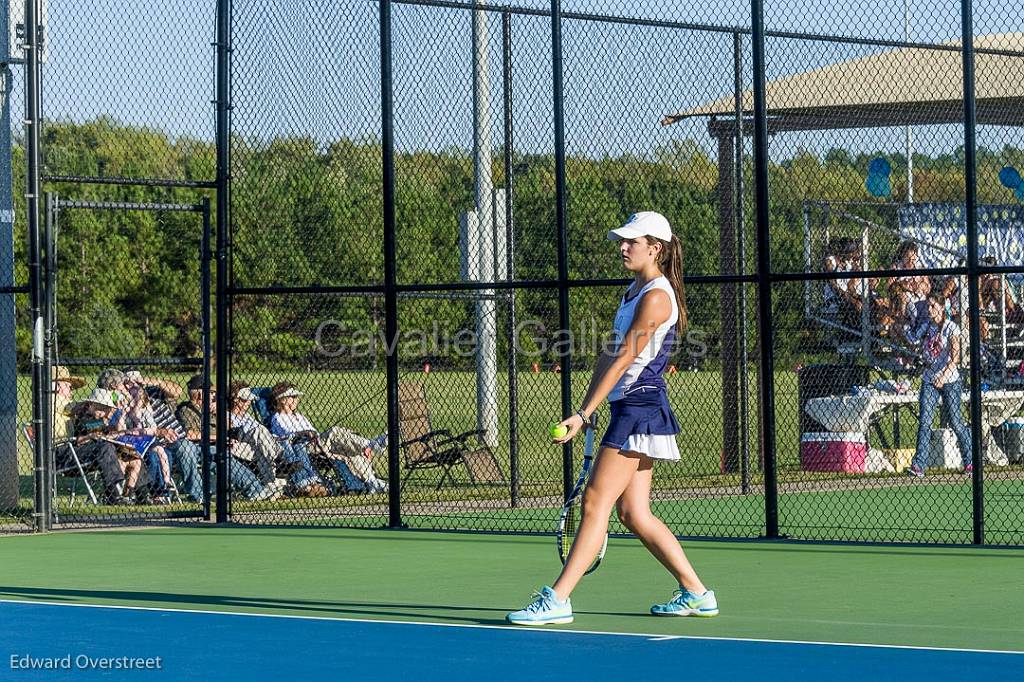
644, 410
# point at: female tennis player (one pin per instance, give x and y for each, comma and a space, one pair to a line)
642, 427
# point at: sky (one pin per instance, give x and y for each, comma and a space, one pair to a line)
312, 68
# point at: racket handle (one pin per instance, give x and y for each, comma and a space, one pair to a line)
588, 443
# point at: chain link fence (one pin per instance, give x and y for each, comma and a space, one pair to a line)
17, 457
417, 283
127, 92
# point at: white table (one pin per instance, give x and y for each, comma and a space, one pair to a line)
853, 413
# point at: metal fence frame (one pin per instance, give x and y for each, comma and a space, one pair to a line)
45, 516
764, 278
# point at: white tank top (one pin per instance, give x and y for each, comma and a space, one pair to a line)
648, 367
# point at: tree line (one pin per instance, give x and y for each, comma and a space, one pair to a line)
308, 213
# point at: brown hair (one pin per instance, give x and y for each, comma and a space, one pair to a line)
275, 393
234, 388
940, 299
143, 399
907, 246
670, 260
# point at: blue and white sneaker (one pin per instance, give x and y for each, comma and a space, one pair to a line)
545, 610
686, 603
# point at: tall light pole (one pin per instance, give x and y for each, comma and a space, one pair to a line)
909, 140
483, 185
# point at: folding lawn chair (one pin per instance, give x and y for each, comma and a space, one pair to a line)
72, 468
426, 448
322, 462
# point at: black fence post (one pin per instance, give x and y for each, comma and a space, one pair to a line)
390, 266
510, 260
562, 232
741, 263
49, 274
221, 381
224, 12
206, 333
970, 215
764, 291
35, 273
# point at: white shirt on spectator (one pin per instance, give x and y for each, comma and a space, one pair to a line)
247, 423
936, 344
287, 424
832, 296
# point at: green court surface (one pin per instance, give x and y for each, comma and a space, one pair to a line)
904, 595
937, 510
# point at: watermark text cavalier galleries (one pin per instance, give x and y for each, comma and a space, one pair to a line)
85, 662
336, 338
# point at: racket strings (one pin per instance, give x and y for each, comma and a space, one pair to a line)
569, 532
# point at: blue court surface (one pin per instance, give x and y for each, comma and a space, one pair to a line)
103, 641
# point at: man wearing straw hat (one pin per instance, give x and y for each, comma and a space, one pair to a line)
99, 453
64, 383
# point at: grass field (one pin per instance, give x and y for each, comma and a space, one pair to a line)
357, 399
696, 499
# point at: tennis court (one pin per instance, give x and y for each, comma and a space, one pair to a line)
259, 259
235, 602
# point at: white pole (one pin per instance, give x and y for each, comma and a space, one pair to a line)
486, 317
909, 130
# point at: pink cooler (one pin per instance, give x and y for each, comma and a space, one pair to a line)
833, 451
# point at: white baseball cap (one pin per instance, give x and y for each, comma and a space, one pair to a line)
641, 224
290, 392
102, 397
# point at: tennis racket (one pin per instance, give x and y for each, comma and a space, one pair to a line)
569, 521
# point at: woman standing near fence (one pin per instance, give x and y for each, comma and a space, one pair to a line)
642, 428
940, 346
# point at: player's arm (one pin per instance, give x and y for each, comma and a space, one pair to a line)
171, 389
604, 363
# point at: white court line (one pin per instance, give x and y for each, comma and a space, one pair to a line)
510, 628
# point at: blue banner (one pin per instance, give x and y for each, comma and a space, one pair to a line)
941, 232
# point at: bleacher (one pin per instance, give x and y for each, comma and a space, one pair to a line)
861, 335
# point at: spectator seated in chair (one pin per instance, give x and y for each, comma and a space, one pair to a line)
97, 421
993, 294
838, 297
351, 454
273, 458
64, 385
180, 451
131, 451
141, 421
241, 477
842, 295
908, 294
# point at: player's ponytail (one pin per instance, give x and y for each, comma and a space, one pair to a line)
670, 260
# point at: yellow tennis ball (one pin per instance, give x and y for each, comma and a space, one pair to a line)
558, 431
